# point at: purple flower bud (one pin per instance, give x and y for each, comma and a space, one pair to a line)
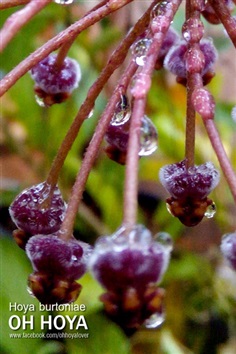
53, 80
175, 60
195, 182
189, 188
38, 209
51, 255
53, 84
228, 248
129, 259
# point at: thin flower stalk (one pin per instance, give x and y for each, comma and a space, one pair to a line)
228, 21
16, 21
223, 159
193, 79
139, 92
6, 4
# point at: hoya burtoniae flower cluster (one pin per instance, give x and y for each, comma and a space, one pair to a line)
130, 263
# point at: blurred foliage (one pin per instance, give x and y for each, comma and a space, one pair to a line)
200, 289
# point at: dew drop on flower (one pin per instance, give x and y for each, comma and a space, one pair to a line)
211, 210
122, 112
159, 9
164, 239
64, 2
155, 320
139, 50
148, 137
30, 291
169, 209
40, 101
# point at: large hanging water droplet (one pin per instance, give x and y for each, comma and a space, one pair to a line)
122, 112
165, 240
148, 137
139, 51
211, 210
64, 2
155, 320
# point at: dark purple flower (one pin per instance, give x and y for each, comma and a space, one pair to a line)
195, 182
129, 264
189, 188
50, 254
57, 265
53, 80
129, 259
38, 209
175, 60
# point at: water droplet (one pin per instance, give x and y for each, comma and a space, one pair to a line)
164, 239
168, 207
155, 320
164, 8
140, 237
74, 258
140, 85
120, 242
122, 112
139, 50
233, 114
103, 244
40, 101
30, 291
64, 2
193, 30
148, 137
211, 210
90, 113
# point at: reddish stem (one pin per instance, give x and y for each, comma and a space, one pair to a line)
5, 4
139, 92
225, 164
16, 21
228, 21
